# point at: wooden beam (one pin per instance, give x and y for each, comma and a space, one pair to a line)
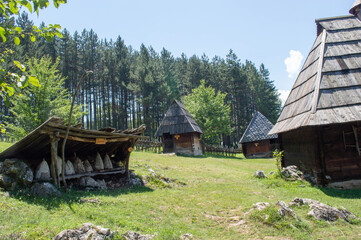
94, 140
319, 72
356, 139
54, 154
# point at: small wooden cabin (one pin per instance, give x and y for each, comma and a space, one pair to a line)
319, 127
179, 132
45, 142
255, 141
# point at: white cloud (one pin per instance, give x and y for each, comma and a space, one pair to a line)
283, 95
293, 63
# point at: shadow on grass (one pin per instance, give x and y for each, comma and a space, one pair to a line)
342, 193
75, 196
213, 155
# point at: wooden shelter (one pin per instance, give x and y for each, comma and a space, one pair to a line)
255, 141
45, 142
319, 128
179, 132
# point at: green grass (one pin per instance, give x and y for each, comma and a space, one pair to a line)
4, 145
217, 194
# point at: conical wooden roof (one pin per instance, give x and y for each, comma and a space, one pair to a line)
177, 120
258, 129
328, 88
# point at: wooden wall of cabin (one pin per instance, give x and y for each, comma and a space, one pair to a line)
186, 143
255, 149
197, 145
301, 149
341, 163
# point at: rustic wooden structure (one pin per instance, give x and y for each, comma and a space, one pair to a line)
319, 128
45, 143
179, 132
255, 141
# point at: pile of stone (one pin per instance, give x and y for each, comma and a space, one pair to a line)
292, 173
259, 174
319, 211
160, 178
137, 236
87, 231
15, 173
90, 231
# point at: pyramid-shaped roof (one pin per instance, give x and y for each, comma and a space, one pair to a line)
177, 120
258, 129
328, 88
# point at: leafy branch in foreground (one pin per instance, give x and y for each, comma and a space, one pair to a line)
14, 74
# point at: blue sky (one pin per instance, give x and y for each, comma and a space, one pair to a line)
261, 31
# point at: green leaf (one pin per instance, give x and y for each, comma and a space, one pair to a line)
7, 102
27, 5
10, 91
34, 81
18, 30
17, 40
13, 7
2, 34
20, 66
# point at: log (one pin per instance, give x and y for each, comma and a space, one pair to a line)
54, 154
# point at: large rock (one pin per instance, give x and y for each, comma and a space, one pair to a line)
98, 165
302, 201
259, 174
107, 162
285, 210
88, 231
89, 182
42, 171
45, 190
88, 167
6, 182
78, 166
292, 172
321, 211
136, 236
15, 172
260, 206
69, 168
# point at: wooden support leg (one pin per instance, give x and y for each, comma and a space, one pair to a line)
54, 154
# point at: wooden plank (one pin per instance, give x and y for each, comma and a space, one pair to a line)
100, 141
105, 172
319, 75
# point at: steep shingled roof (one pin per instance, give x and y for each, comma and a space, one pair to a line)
328, 88
177, 120
258, 129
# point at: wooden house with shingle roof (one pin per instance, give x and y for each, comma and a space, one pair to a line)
319, 127
179, 132
255, 141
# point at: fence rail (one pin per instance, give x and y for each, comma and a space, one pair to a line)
7, 139
149, 146
228, 152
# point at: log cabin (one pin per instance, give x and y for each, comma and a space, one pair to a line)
255, 141
319, 127
179, 132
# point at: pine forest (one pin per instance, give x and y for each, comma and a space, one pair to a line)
129, 87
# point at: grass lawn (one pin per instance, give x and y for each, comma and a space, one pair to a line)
219, 191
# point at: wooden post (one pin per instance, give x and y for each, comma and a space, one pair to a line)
54, 140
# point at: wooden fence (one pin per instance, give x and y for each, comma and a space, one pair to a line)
7, 139
149, 146
228, 152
